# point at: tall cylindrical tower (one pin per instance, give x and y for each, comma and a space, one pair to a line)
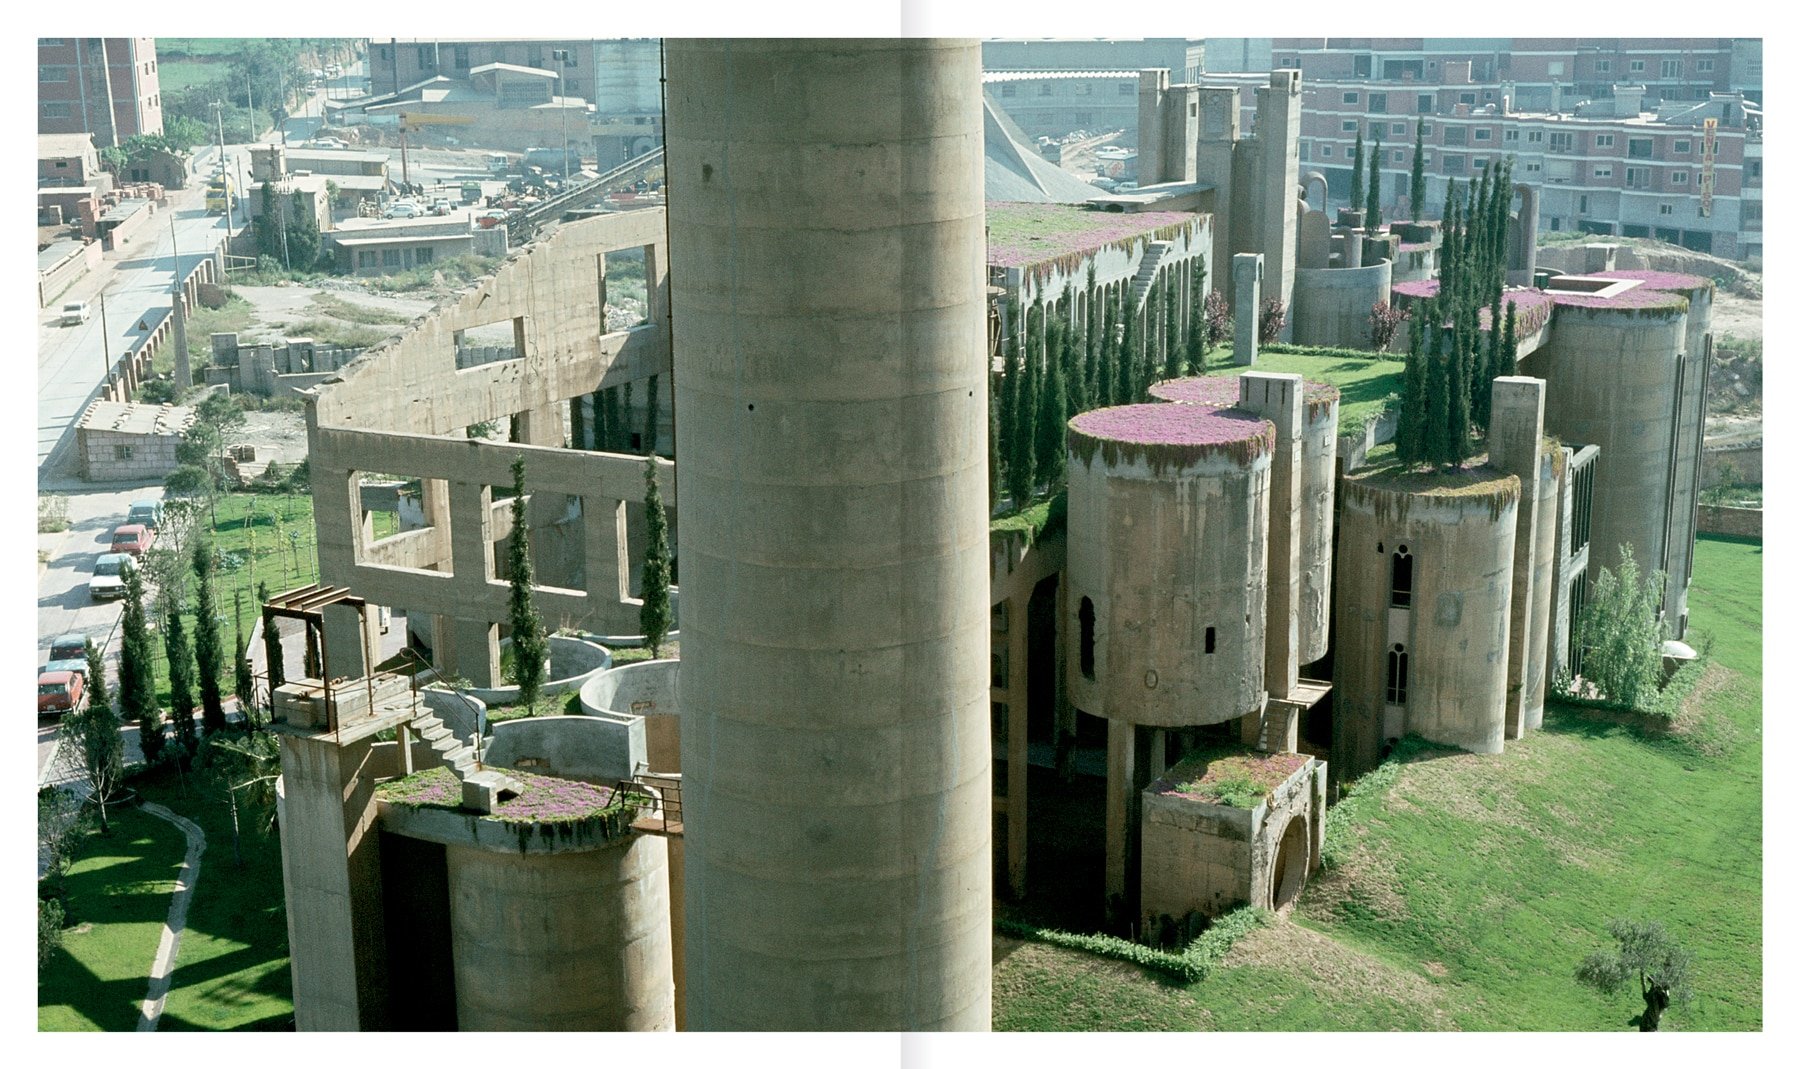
1168, 568
827, 231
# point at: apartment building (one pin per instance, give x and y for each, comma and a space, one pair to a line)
620, 76
104, 86
1540, 73
1054, 103
1687, 172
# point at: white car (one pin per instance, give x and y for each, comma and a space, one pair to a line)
109, 575
403, 209
327, 142
75, 312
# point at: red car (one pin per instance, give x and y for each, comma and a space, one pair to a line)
132, 538
58, 692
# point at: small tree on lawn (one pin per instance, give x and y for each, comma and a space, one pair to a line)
1196, 321
1218, 320
1647, 954
137, 678
529, 645
92, 740
209, 649
654, 615
1620, 634
1274, 317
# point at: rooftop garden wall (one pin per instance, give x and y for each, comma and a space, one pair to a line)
1047, 239
1234, 776
1382, 487
548, 814
1534, 305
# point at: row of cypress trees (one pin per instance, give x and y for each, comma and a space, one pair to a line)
1370, 198
1450, 365
601, 423
1071, 363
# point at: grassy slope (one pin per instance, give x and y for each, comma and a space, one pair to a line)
118, 899
232, 972
1479, 883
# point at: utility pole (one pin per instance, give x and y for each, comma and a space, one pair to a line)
224, 176
105, 349
184, 376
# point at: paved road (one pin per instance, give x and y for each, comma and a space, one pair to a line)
135, 283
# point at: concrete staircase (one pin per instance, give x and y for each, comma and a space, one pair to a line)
1146, 274
482, 789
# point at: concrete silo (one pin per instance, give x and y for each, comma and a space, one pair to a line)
826, 203
1424, 591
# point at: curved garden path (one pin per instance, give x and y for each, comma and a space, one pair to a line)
164, 965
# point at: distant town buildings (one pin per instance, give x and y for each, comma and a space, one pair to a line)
621, 77
104, 86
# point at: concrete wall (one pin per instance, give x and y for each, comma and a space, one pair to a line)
575, 941
1454, 630
648, 689
1746, 462
599, 749
146, 456
82, 257
1163, 556
1744, 523
1331, 305
1318, 511
834, 631
1208, 858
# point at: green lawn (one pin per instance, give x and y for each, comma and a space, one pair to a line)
118, 899
175, 75
1478, 883
232, 972
1364, 385
285, 556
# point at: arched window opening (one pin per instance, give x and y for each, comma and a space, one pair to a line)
1401, 588
1396, 675
1087, 637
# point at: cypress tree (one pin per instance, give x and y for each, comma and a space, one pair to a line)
655, 616
96, 678
1476, 225
1372, 220
1090, 369
209, 648
137, 679
1356, 172
1174, 346
1408, 436
529, 645
1457, 429
1436, 423
1011, 373
1123, 391
596, 439
1418, 171
1509, 344
1447, 252
243, 681
1107, 374
1196, 320
1052, 426
181, 671
93, 731
624, 428
1021, 446
271, 645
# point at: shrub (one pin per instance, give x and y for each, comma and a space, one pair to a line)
1384, 323
53, 513
1218, 319
1274, 317
211, 295
1190, 965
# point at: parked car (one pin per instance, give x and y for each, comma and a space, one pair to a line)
75, 313
59, 692
441, 206
132, 538
110, 571
68, 653
403, 209
148, 512
327, 142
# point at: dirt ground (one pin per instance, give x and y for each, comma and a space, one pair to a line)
281, 307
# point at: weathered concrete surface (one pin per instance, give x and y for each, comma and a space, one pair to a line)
575, 941
1331, 305
1453, 629
1209, 858
1276, 398
331, 878
1318, 517
1164, 557
826, 206
1246, 305
601, 749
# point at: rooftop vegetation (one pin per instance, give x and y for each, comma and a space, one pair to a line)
1235, 776
1020, 235
544, 799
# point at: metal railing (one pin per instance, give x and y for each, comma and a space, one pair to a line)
665, 785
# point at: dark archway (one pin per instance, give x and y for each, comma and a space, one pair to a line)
1291, 862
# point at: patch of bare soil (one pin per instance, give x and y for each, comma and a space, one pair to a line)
277, 435
1338, 973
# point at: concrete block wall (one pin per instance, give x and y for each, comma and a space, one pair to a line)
151, 456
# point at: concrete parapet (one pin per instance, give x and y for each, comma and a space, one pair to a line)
1246, 305
1332, 305
647, 689
600, 749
